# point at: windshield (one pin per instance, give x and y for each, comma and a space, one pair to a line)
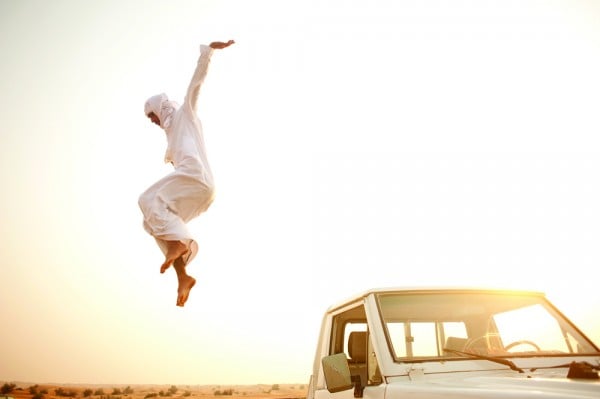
441, 324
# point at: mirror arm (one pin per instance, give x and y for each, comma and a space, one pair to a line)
358, 387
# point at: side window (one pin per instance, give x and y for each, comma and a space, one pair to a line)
351, 320
455, 329
413, 339
423, 338
350, 336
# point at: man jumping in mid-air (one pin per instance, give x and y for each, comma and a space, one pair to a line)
189, 190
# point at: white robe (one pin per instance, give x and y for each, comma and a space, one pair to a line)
189, 190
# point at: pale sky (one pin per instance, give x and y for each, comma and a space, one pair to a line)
355, 144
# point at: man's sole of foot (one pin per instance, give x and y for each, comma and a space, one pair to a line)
183, 293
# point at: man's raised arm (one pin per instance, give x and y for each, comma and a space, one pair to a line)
201, 69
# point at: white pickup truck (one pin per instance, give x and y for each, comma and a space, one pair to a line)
409, 343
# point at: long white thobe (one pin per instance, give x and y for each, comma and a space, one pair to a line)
189, 190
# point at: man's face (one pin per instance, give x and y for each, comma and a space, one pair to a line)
154, 118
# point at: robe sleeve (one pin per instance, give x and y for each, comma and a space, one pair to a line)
191, 97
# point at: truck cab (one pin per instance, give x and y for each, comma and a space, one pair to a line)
451, 343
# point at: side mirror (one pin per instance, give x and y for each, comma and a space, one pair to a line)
337, 373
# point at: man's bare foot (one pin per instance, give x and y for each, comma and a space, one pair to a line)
175, 249
183, 291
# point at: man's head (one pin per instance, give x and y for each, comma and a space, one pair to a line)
153, 118
159, 109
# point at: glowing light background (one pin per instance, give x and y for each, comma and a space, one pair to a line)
355, 144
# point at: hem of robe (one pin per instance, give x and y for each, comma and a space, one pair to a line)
190, 243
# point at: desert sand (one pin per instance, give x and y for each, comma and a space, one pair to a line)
91, 391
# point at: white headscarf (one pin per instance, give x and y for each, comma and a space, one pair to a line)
162, 107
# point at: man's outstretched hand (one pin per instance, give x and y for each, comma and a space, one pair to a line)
221, 45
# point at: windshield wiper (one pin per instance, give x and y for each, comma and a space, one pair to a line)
500, 360
577, 370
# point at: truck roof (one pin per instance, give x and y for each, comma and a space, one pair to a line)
407, 289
